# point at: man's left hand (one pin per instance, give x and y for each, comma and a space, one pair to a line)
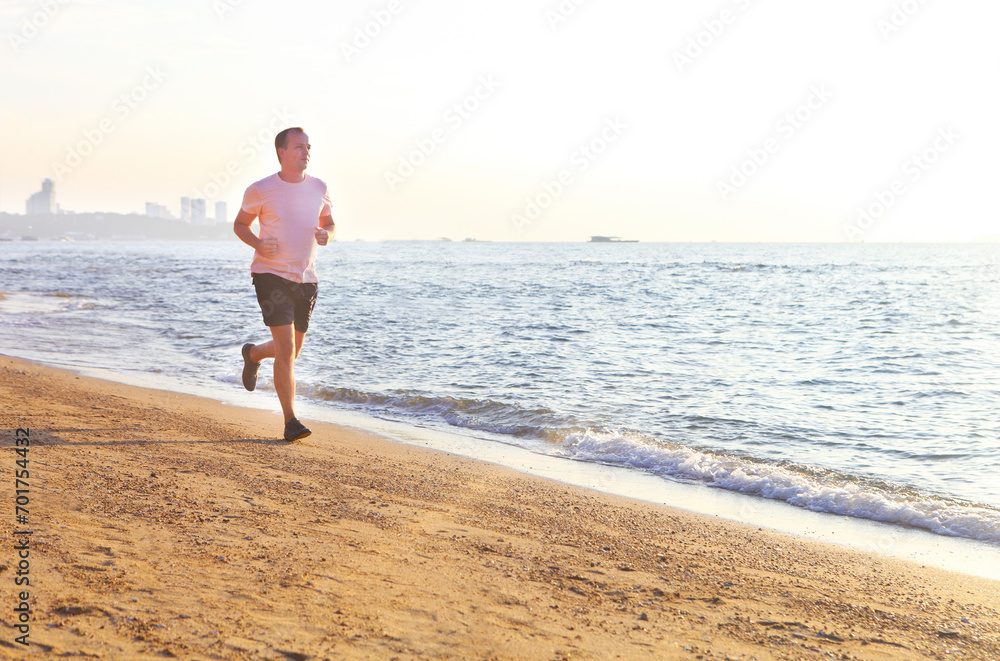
322, 236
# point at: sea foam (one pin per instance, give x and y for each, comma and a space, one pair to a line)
818, 492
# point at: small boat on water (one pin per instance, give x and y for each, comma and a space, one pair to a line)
611, 239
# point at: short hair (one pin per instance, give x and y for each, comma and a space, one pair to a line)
281, 140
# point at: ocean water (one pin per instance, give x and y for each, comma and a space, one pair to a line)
858, 380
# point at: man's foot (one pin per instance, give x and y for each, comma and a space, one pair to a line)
294, 430
249, 369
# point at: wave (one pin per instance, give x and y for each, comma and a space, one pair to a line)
478, 415
31, 303
799, 486
817, 490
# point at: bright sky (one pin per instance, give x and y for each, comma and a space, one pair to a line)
536, 120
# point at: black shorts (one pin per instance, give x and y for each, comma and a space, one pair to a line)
283, 302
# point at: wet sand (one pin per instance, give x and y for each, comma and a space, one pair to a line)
169, 526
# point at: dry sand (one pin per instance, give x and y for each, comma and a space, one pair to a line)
168, 526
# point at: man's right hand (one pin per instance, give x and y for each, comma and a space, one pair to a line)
268, 247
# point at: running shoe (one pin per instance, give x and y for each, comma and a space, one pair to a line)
249, 369
294, 430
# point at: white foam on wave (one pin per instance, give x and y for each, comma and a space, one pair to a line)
26, 304
23, 303
775, 482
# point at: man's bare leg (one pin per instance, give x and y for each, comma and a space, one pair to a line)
266, 350
284, 347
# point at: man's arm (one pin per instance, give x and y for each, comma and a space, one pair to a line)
325, 231
241, 227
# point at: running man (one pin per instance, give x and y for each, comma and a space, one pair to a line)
295, 216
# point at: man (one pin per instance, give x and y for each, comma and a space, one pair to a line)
295, 216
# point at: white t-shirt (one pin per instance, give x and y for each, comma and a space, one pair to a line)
290, 213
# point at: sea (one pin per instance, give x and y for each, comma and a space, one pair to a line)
843, 391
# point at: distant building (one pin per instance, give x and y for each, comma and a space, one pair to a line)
44, 201
154, 210
186, 209
221, 215
198, 211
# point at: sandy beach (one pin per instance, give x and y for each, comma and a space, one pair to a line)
169, 526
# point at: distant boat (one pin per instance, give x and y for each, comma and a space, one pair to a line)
611, 239
77, 236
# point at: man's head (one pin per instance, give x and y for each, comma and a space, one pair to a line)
292, 146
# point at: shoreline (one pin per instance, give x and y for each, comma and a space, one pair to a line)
168, 523
960, 554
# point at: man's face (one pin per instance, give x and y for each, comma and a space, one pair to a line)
295, 155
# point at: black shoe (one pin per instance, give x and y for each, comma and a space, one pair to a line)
294, 430
249, 369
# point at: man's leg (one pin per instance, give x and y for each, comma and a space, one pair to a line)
261, 351
284, 347
300, 339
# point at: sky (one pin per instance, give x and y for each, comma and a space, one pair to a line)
526, 120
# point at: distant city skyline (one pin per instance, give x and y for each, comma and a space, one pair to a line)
192, 210
44, 201
711, 120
